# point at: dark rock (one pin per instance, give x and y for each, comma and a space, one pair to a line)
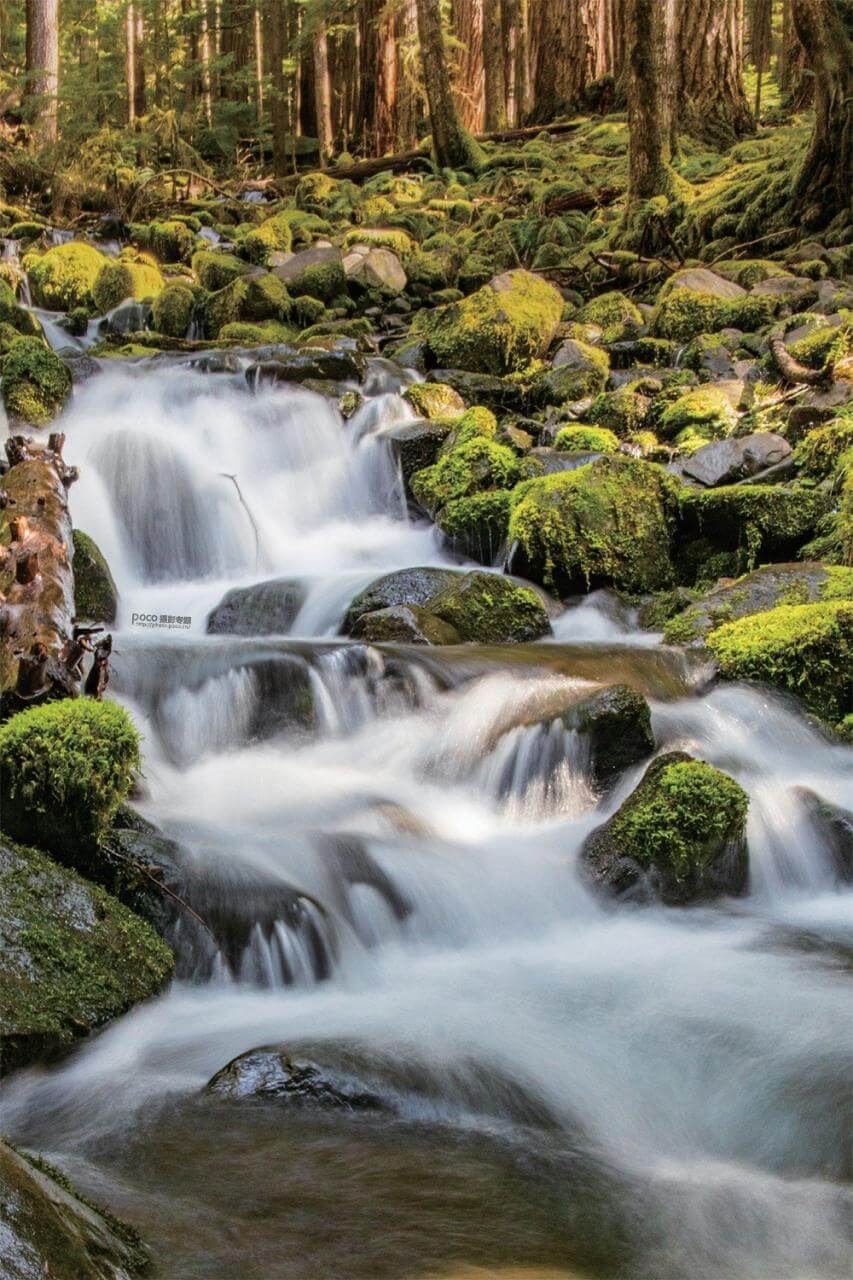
835, 828
618, 724
403, 624
498, 394
405, 586
416, 444
338, 364
270, 1075
264, 609
726, 461
217, 362
95, 593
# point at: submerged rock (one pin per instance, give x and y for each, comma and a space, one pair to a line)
835, 827
264, 609
48, 1230
339, 364
618, 724
680, 836
271, 1075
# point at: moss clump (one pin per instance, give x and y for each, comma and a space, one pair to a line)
477, 526
434, 400
623, 411
805, 649
398, 241
617, 315
173, 310
685, 313
491, 609
316, 273
469, 468
216, 270
36, 384
256, 335
500, 328
118, 280
591, 439
755, 521
566, 383
248, 300
74, 957
318, 193
63, 277
608, 523
820, 452
475, 423
172, 241
684, 827
95, 594
274, 235
706, 412
65, 768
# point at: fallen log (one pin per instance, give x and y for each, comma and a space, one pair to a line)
36, 578
788, 366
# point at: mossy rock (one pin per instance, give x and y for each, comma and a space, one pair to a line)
393, 238
491, 609
317, 273
415, 586
684, 314
73, 957
476, 527
216, 270
172, 241
36, 383
617, 315
118, 280
416, 445
173, 310
95, 592
468, 468
757, 522
475, 423
623, 411
434, 400
318, 193
274, 235
499, 329
252, 299
706, 412
818, 348
819, 453
63, 277
617, 724
269, 333
586, 439
609, 523
566, 384
404, 624
804, 649
757, 592
65, 767
680, 836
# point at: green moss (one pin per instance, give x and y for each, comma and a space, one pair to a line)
324, 280
65, 767
477, 526
749, 271
820, 452
475, 465
491, 609
172, 241
274, 235
434, 400
597, 439
617, 315
24, 231
307, 311
756, 521
496, 330
834, 540
256, 335
821, 346
605, 524
36, 384
683, 313
216, 270
95, 594
249, 300
475, 423
398, 241
623, 411
173, 310
318, 193
63, 277
118, 280
804, 649
706, 413
305, 227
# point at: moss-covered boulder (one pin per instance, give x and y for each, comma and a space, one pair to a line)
317, 273
758, 592
609, 523
680, 836
434, 400
820, 451
173, 310
415, 586
65, 767
171, 241
623, 411
575, 377
706, 412
617, 723
404, 624
491, 609
756, 522
476, 527
618, 317
275, 235
72, 956
62, 278
804, 649
468, 468
416, 445
36, 383
95, 593
584, 439
500, 328
216, 270
251, 300
118, 280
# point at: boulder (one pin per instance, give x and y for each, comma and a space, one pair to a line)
264, 609
680, 836
271, 1075
403, 624
434, 400
725, 461
36, 383
476, 527
378, 269
339, 364
618, 724
834, 826
756, 522
416, 445
405, 586
703, 280
318, 272
62, 278
95, 592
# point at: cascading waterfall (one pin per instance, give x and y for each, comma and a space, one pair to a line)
386, 843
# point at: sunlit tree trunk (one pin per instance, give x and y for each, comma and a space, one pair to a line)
825, 179
322, 92
711, 96
408, 100
42, 67
453, 147
760, 44
494, 44
562, 55
468, 78
795, 78
649, 99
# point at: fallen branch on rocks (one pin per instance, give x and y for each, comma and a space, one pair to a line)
790, 368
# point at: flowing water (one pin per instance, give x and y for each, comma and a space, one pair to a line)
386, 842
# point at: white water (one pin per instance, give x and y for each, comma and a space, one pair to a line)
699, 1059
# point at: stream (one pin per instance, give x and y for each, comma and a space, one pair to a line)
591, 1090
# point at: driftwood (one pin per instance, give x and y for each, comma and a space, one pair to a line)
36, 579
790, 368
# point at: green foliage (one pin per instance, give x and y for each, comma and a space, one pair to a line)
63, 277
35, 384
65, 767
820, 452
597, 439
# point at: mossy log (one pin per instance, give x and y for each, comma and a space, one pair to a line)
37, 643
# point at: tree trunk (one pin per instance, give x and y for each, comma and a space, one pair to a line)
562, 44
139, 56
322, 93
795, 78
494, 41
522, 64
453, 147
408, 97
760, 44
236, 41
649, 99
709, 80
468, 79
823, 184
259, 65
386, 89
42, 67
274, 33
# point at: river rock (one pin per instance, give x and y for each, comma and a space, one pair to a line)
680, 836
340, 364
726, 461
403, 587
703, 280
95, 592
416, 445
404, 624
501, 395
835, 829
271, 1075
618, 724
264, 609
48, 1231
318, 272
378, 269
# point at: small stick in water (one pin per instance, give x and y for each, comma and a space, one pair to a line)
245, 506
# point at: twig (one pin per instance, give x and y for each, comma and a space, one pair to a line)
245, 507
748, 245
165, 173
164, 888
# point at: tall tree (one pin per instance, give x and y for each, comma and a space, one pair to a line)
468, 73
134, 60
562, 39
494, 41
274, 42
322, 91
825, 179
760, 43
453, 146
648, 40
795, 78
710, 92
42, 67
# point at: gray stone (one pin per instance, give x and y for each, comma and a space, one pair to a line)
404, 624
726, 461
270, 1075
703, 280
318, 271
265, 608
376, 269
416, 444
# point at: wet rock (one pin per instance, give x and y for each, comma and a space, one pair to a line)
618, 724
416, 444
338, 364
414, 586
499, 394
264, 609
95, 592
218, 362
47, 1230
726, 461
378, 269
318, 272
554, 460
680, 836
403, 624
835, 828
271, 1075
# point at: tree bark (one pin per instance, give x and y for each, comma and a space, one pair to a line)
468, 79
563, 59
42, 67
322, 93
494, 42
139, 59
823, 184
709, 80
795, 78
384, 126
760, 44
649, 99
274, 32
453, 147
